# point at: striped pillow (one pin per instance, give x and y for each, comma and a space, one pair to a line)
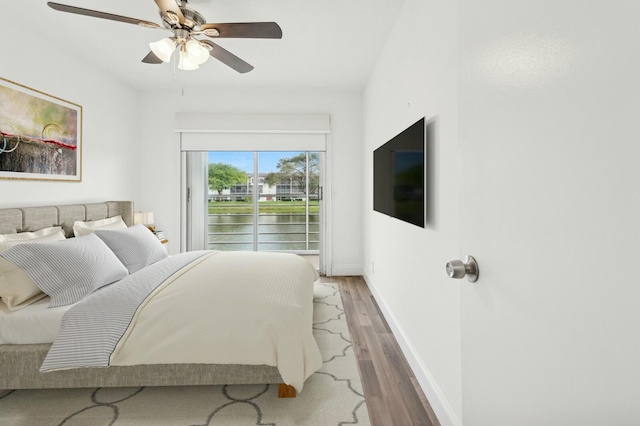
68, 270
136, 246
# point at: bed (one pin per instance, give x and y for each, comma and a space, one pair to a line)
168, 357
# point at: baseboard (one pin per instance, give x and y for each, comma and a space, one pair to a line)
346, 270
445, 413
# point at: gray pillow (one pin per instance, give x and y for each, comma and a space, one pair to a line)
136, 246
68, 270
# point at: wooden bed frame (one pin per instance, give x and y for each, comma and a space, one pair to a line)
19, 364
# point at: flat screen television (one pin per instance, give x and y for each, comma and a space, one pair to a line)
399, 175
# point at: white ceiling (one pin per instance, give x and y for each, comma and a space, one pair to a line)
325, 44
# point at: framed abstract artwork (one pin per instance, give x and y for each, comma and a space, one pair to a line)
40, 135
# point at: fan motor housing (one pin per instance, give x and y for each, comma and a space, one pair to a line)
193, 19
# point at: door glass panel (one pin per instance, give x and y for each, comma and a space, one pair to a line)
231, 216
282, 206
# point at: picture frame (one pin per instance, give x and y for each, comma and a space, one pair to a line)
40, 135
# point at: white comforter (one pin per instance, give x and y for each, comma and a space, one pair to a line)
230, 308
221, 308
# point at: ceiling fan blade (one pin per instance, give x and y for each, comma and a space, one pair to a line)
103, 15
246, 30
170, 6
151, 58
227, 57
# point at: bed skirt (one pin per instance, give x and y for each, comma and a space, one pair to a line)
19, 365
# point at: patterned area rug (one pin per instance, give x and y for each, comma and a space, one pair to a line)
331, 396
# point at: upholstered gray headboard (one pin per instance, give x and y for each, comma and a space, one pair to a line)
25, 219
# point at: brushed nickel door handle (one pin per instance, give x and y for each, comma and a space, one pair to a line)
469, 268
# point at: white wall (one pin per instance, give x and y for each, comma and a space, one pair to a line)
160, 174
110, 131
536, 174
404, 265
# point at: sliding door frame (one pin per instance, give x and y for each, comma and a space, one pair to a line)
234, 127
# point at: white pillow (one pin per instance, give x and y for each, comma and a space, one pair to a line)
81, 228
68, 270
136, 247
17, 289
25, 236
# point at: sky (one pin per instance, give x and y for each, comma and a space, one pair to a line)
243, 160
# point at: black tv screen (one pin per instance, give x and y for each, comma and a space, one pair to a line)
399, 176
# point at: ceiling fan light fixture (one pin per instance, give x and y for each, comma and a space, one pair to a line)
197, 52
186, 64
163, 49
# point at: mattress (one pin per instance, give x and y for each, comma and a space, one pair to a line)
36, 323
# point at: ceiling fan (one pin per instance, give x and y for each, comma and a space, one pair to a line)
185, 24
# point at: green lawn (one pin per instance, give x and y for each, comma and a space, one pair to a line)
242, 207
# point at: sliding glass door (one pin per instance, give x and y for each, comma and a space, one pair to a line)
264, 201
230, 220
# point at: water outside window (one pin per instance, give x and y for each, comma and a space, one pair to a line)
278, 191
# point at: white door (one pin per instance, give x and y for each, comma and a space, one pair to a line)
549, 113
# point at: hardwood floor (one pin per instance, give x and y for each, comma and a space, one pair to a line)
391, 390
